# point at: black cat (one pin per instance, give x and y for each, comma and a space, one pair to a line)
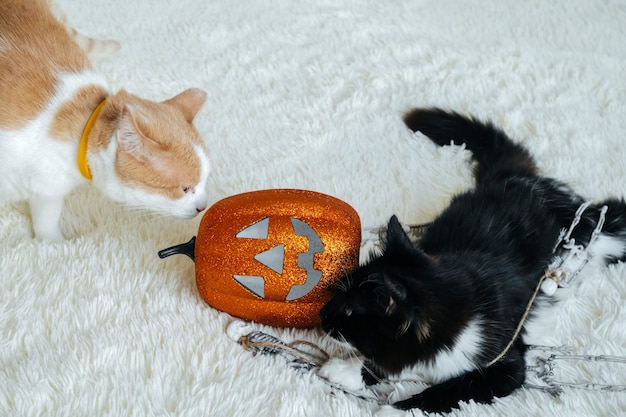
452, 302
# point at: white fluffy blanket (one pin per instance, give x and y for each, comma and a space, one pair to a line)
307, 94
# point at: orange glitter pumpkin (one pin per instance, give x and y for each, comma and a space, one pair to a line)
272, 256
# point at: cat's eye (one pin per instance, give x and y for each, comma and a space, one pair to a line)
348, 311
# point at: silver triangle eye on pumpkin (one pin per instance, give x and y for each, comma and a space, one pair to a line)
273, 256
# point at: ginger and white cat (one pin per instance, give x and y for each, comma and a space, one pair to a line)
60, 126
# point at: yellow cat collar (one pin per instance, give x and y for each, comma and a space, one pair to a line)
83, 164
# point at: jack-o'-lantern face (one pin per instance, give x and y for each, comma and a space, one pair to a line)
273, 256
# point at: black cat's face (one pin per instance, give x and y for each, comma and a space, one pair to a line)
374, 310
364, 314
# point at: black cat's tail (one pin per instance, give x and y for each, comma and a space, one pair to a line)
494, 151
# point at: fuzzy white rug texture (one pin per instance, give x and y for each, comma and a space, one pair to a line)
308, 95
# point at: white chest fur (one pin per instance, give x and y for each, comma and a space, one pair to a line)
34, 164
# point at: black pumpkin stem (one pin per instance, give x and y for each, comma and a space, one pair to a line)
184, 249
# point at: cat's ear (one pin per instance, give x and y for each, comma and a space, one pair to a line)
189, 102
397, 240
399, 245
130, 138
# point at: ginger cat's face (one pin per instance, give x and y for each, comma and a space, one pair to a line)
159, 158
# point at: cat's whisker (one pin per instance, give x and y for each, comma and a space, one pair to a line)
142, 212
345, 348
339, 286
343, 284
146, 213
343, 339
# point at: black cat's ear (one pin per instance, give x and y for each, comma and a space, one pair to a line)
398, 243
397, 294
396, 238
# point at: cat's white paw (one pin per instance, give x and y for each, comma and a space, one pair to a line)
50, 234
343, 372
45, 212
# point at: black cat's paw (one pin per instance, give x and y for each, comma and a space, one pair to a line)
429, 402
